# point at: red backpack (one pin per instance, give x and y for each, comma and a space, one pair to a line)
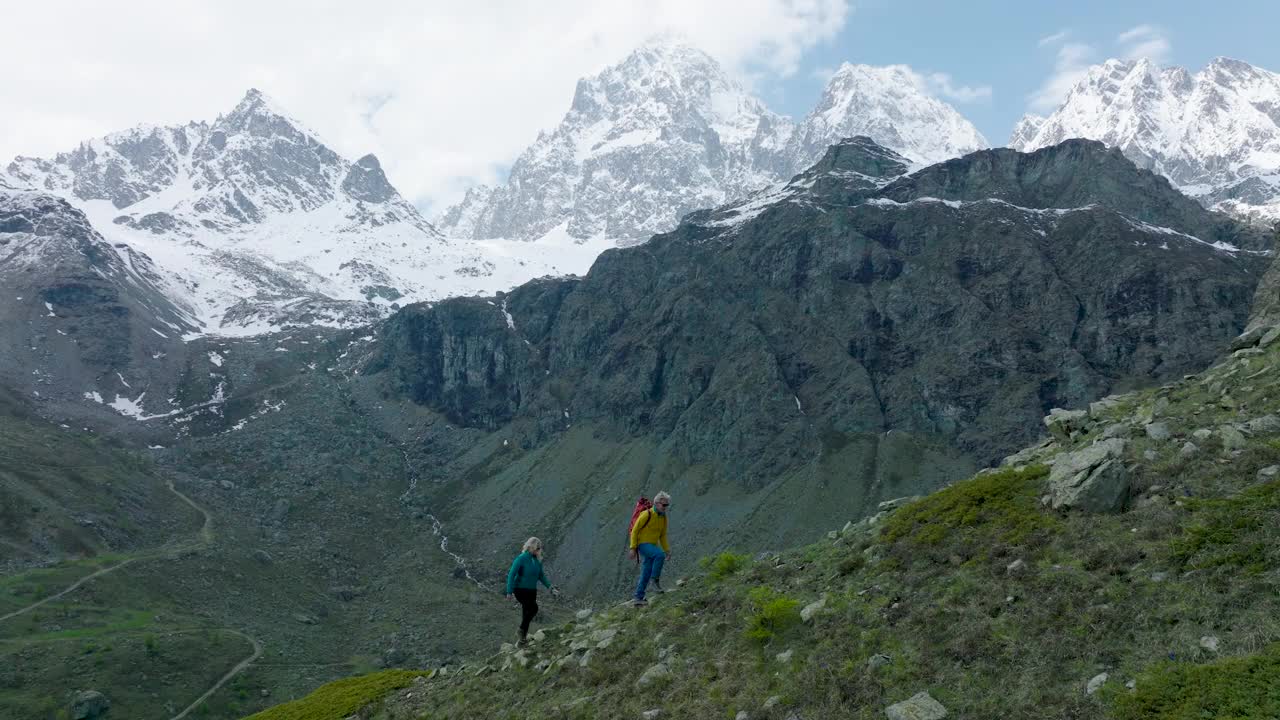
641, 505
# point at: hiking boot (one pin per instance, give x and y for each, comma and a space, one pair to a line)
639, 602
522, 642
657, 586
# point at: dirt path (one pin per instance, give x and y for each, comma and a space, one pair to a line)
257, 653
72, 588
203, 539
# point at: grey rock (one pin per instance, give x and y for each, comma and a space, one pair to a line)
1092, 479
1017, 567
654, 674
1248, 338
1095, 683
1104, 406
785, 656
1232, 438
1210, 643
1150, 455
1064, 424
1265, 425
878, 660
1189, 450
1202, 434
742, 715
583, 614
812, 609
651, 714
920, 706
89, 705
1269, 472
771, 702
1158, 431
1269, 337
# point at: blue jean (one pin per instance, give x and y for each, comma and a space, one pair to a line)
653, 557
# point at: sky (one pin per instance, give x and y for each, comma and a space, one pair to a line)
448, 94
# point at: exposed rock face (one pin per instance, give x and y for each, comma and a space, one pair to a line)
89, 705
1092, 479
83, 318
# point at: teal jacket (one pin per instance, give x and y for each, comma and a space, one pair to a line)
526, 573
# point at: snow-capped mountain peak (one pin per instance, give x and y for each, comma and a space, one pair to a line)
667, 130
1214, 133
254, 223
890, 105
663, 132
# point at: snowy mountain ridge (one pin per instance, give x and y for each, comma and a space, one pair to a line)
255, 224
1215, 133
668, 131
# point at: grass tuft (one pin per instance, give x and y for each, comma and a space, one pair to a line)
1229, 689
342, 698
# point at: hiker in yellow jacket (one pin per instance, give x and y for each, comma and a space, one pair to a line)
649, 541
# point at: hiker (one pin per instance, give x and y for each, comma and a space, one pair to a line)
649, 541
522, 583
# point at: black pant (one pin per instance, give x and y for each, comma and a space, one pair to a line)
528, 607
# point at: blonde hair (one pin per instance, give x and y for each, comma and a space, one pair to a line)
532, 545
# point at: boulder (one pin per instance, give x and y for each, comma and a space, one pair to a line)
920, 706
1202, 434
1249, 338
89, 705
1063, 424
878, 660
784, 657
1095, 683
651, 714
1269, 337
653, 674
1210, 643
1189, 450
1158, 431
1269, 472
1265, 425
583, 614
813, 608
1232, 438
1092, 479
772, 702
1102, 407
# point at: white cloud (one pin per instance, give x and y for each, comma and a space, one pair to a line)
444, 94
1071, 63
1145, 41
941, 84
1053, 39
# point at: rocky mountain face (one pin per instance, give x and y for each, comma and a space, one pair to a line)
851, 336
667, 131
1215, 133
255, 224
84, 322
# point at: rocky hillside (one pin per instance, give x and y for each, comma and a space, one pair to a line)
1214, 133
851, 338
1122, 568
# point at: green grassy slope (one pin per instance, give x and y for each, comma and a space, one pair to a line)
979, 594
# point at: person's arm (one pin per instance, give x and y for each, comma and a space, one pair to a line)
542, 577
663, 538
512, 574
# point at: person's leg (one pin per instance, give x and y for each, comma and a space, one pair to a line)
659, 558
646, 571
528, 608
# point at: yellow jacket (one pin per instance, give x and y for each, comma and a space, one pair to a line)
650, 527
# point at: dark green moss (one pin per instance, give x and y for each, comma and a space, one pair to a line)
1229, 689
1234, 531
1002, 506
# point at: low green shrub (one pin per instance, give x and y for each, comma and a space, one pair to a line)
721, 566
1002, 506
341, 698
771, 613
1235, 531
1229, 689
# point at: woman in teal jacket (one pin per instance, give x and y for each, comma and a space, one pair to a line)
522, 583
